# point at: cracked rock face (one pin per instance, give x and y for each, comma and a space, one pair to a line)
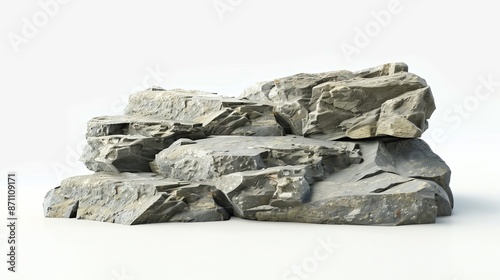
129, 143
219, 115
379, 190
381, 101
130, 199
220, 155
337, 147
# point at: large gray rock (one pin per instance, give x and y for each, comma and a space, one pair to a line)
215, 156
130, 143
135, 198
380, 101
219, 115
399, 182
384, 199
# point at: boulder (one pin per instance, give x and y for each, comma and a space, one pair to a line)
380, 101
397, 182
135, 198
338, 147
219, 115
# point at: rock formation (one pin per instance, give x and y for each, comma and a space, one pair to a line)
338, 147
383, 101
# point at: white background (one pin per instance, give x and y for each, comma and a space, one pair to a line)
86, 57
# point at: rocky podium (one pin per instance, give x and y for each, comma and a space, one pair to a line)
338, 147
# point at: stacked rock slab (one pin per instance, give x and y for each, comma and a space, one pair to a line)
376, 191
338, 147
219, 115
130, 143
129, 198
382, 101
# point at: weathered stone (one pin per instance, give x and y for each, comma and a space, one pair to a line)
129, 143
291, 96
410, 158
414, 158
380, 101
134, 198
215, 156
279, 186
219, 115
398, 182
364, 203
382, 70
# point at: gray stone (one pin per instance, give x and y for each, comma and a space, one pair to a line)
398, 182
411, 158
382, 70
380, 101
215, 156
259, 190
219, 115
414, 158
129, 143
135, 198
366, 202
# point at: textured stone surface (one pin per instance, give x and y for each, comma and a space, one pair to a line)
381, 101
215, 156
276, 187
362, 203
219, 115
134, 198
400, 182
129, 143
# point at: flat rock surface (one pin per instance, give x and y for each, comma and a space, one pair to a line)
219, 115
215, 156
134, 198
